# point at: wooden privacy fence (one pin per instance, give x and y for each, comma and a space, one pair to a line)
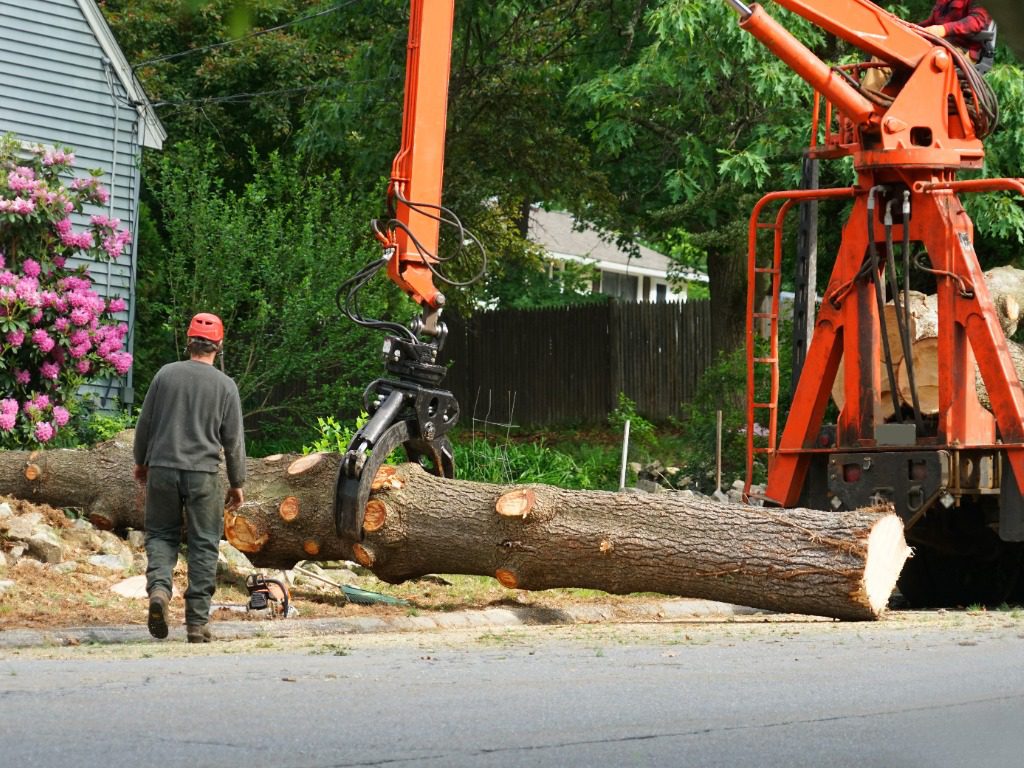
567, 365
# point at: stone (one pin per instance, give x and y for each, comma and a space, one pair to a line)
136, 539
132, 587
45, 545
112, 544
231, 560
22, 527
5, 511
109, 562
69, 567
6, 585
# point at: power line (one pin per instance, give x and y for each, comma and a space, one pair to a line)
257, 33
253, 95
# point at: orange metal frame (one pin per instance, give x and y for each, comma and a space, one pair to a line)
915, 144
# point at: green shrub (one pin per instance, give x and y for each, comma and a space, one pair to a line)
101, 426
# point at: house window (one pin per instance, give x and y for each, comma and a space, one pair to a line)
620, 286
660, 292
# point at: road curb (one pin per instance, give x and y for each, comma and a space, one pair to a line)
512, 616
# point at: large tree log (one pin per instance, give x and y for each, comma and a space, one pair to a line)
924, 355
528, 537
1006, 288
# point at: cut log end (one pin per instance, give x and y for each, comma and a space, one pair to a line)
289, 509
242, 534
363, 555
304, 464
386, 478
507, 578
887, 551
375, 516
517, 503
311, 547
32, 472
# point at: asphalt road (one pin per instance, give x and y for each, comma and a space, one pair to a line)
943, 692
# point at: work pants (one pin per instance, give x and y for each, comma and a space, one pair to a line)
175, 499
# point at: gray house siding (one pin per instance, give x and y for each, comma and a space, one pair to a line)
63, 85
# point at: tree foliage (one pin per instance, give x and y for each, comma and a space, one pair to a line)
658, 120
269, 260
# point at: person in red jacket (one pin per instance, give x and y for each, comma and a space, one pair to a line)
959, 21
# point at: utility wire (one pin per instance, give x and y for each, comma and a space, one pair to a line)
253, 95
257, 33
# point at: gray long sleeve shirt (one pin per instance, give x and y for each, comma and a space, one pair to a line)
192, 411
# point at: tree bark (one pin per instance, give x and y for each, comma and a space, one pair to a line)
532, 537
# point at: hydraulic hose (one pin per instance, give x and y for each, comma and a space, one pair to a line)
880, 300
907, 357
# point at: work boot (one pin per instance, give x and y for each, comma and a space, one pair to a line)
198, 633
157, 619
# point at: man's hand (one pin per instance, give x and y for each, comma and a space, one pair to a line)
936, 29
141, 473
234, 500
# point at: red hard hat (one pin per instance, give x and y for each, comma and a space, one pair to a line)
206, 326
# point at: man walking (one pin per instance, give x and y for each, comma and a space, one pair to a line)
191, 413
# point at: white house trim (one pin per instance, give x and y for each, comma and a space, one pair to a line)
152, 133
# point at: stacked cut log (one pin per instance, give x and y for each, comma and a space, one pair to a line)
843, 565
1006, 288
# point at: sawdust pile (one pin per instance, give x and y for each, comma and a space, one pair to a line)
57, 570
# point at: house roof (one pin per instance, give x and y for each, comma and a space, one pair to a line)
152, 133
556, 232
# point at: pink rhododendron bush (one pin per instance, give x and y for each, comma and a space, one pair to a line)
56, 332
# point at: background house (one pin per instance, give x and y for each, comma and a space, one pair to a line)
620, 274
67, 83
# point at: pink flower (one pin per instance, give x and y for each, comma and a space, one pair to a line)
7, 422
122, 362
30, 268
42, 340
9, 406
8, 278
21, 205
15, 338
80, 316
44, 431
116, 305
61, 415
58, 157
49, 370
22, 377
82, 366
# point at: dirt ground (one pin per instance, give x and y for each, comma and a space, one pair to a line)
78, 591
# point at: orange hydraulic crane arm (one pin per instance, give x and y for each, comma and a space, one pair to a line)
410, 408
868, 27
414, 193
